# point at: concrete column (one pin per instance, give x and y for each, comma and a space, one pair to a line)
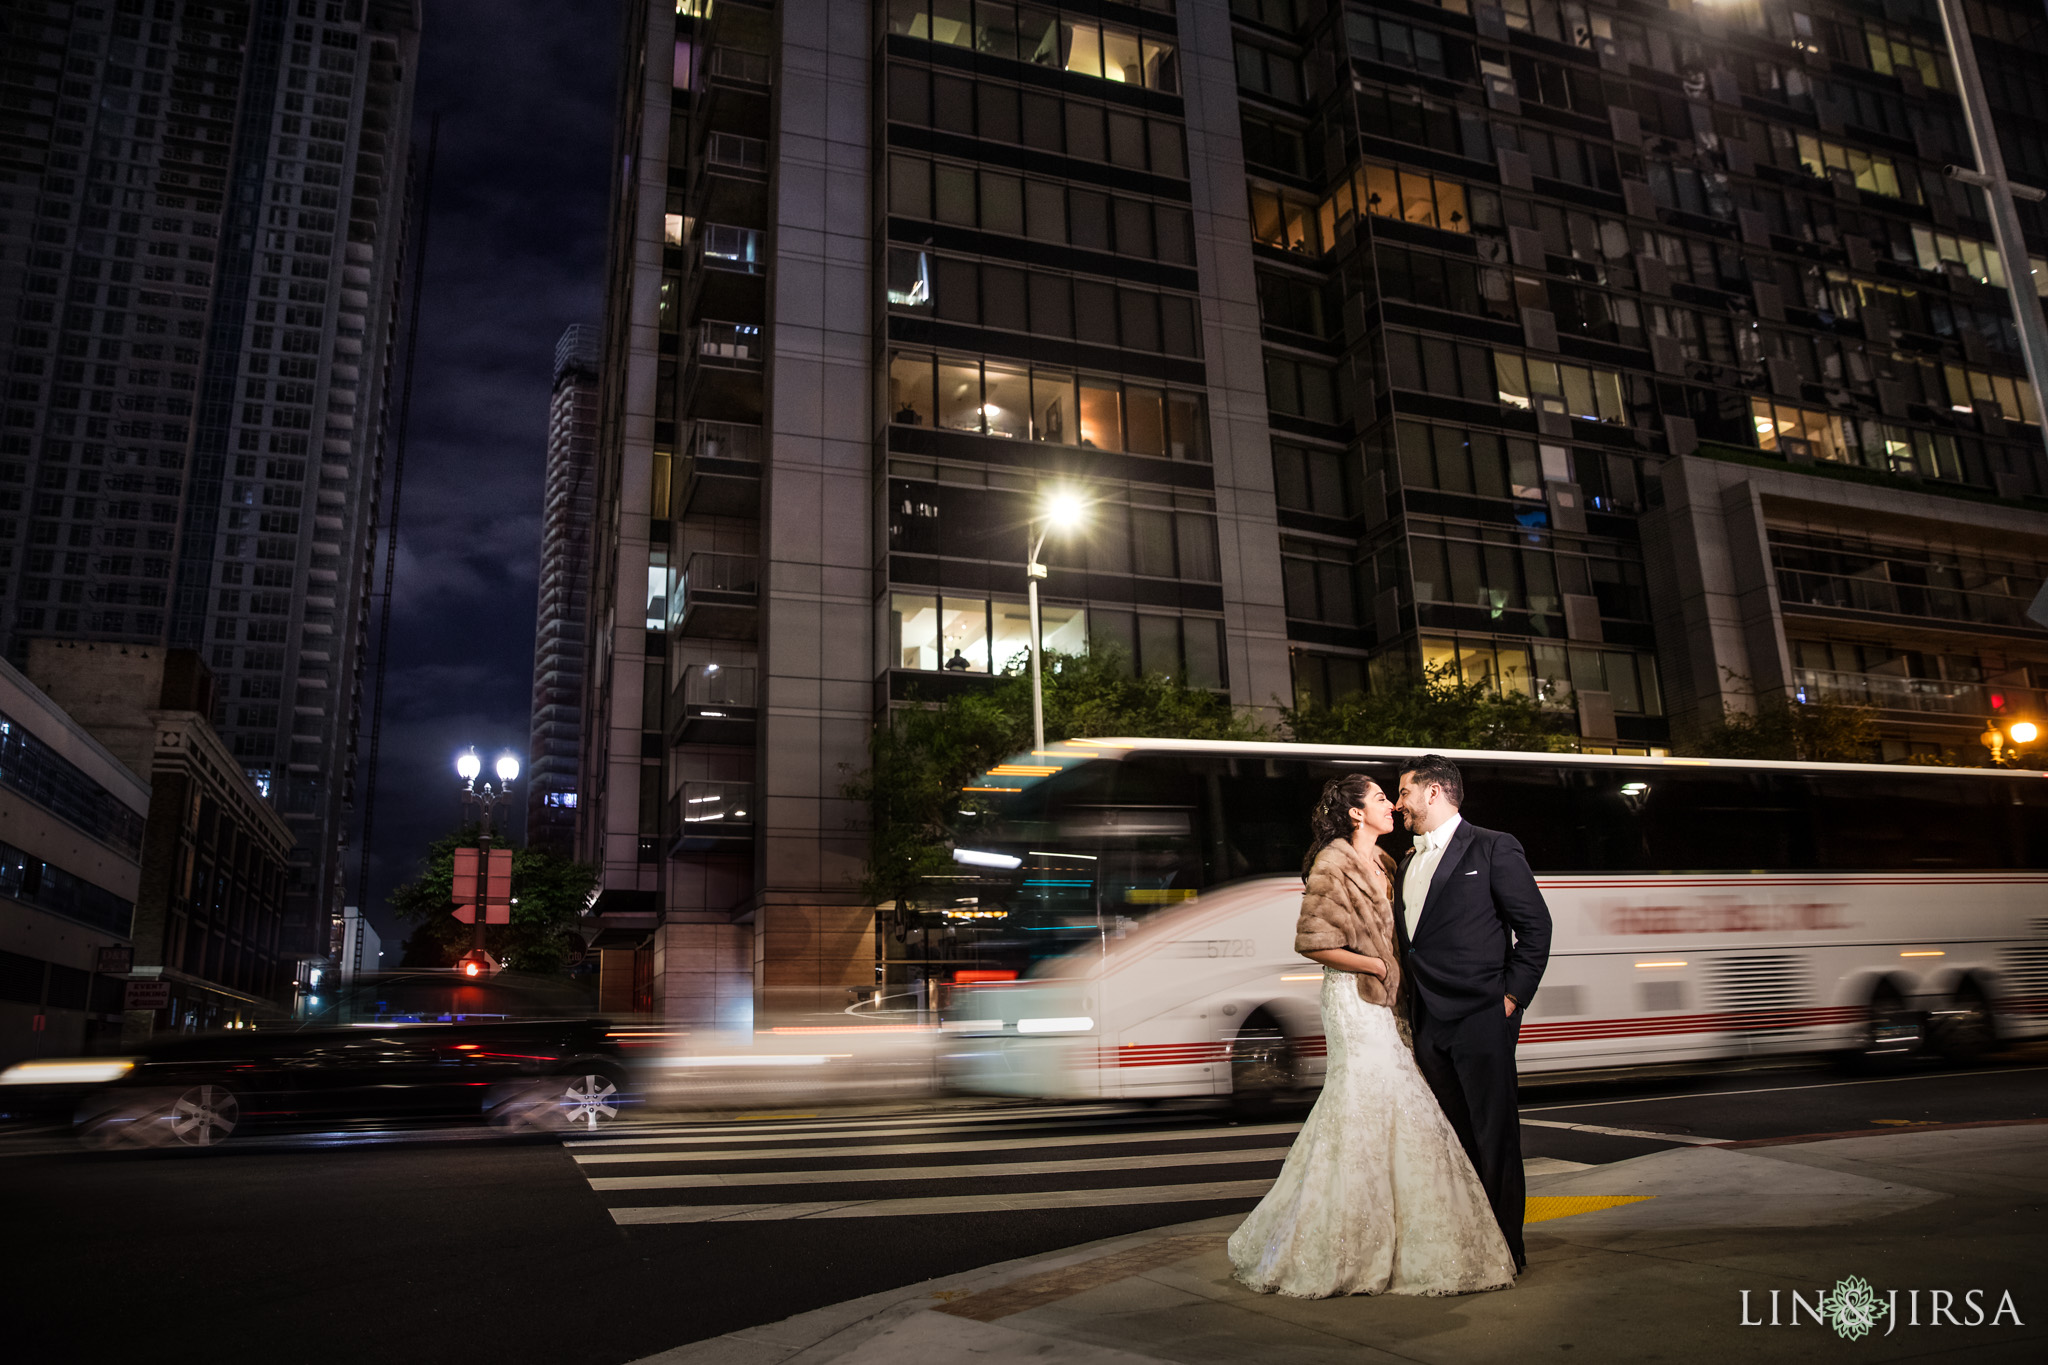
1713, 599
1247, 523
818, 655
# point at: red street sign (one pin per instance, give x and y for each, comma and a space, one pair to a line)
495, 892
147, 995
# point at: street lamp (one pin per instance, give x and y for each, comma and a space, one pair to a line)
1062, 510
2019, 733
485, 803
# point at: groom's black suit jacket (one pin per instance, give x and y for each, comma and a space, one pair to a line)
1462, 957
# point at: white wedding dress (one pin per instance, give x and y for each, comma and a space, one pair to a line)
1377, 1196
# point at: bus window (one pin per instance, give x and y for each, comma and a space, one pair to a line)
1913, 824
1568, 819
1726, 820
2028, 803
1265, 808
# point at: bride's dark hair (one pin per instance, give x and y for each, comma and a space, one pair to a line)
1331, 819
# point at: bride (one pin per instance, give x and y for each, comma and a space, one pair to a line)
1377, 1196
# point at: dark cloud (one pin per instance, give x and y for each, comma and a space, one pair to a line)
525, 93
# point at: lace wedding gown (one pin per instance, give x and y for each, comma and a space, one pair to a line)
1377, 1196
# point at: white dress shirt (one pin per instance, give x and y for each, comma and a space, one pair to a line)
1429, 851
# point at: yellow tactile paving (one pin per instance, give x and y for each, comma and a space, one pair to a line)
1543, 1208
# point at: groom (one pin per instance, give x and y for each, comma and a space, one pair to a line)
1474, 936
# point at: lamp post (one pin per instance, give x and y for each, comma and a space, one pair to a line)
1061, 511
484, 803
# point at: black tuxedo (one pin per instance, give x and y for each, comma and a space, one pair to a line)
1483, 934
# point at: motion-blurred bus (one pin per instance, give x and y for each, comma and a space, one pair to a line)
1144, 893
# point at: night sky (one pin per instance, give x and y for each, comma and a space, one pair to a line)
525, 92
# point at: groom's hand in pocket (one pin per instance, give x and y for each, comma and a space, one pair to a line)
1508, 1005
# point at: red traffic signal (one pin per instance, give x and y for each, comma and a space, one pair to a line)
477, 963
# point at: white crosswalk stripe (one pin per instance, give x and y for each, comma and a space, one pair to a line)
693, 1165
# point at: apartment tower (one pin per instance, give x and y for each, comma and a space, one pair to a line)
1641, 360
201, 214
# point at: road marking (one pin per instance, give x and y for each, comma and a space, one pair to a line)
928, 1148
944, 1204
1783, 1089
1885, 1132
968, 1171
731, 1135
1625, 1132
772, 1124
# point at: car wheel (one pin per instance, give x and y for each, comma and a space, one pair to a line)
1964, 1029
202, 1116
584, 1102
1265, 1067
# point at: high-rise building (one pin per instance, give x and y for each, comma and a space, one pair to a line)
202, 208
560, 631
1640, 361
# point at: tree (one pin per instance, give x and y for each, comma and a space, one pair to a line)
548, 891
1820, 730
1438, 710
921, 756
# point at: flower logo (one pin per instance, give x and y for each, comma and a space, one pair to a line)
1853, 1308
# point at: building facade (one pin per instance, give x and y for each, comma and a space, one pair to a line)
204, 207
210, 908
1638, 360
560, 633
71, 833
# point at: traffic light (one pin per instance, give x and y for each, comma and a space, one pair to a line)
476, 963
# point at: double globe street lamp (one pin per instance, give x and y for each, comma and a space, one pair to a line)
487, 805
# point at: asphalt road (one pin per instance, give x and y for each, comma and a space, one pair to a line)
450, 1247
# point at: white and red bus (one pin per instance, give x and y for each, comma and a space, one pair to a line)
1145, 893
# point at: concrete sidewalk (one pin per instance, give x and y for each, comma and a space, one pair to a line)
1641, 1260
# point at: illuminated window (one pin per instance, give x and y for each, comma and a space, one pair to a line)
1893, 49
1876, 174
1801, 431
1980, 259
2015, 397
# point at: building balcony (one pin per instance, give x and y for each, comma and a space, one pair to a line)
717, 705
717, 597
728, 276
733, 81
1956, 608
1926, 695
712, 817
722, 370
730, 184
721, 470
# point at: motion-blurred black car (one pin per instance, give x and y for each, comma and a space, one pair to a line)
520, 1075
406, 1050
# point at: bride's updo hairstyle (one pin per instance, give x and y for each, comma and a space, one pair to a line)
1331, 819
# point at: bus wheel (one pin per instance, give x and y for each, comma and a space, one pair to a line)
1892, 1030
1265, 1067
1964, 1029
